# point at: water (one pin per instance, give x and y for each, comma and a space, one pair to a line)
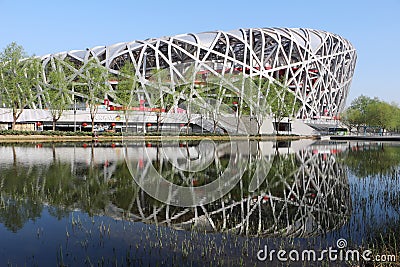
77, 204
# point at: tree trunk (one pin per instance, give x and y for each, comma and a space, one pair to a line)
54, 124
158, 122
277, 124
14, 156
188, 123
238, 118
126, 120
214, 126
15, 117
54, 152
92, 124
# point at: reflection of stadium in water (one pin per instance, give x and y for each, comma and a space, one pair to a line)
305, 192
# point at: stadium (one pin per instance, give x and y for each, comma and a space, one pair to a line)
316, 66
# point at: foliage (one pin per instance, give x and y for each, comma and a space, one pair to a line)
126, 93
367, 112
95, 78
372, 160
19, 79
127, 86
59, 98
162, 97
352, 118
262, 97
256, 101
282, 102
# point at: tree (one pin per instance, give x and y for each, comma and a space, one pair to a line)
58, 84
282, 102
210, 100
359, 107
255, 92
371, 112
19, 76
379, 113
396, 116
352, 117
186, 92
126, 93
162, 98
95, 77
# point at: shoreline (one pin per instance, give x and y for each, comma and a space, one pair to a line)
47, 138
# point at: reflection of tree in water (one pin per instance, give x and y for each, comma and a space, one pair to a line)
15, 212
304, 194
15, 208
64, 186
377, 194
372, 159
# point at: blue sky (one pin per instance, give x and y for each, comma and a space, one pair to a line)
373, 27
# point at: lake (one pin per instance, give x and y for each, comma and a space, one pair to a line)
195, 203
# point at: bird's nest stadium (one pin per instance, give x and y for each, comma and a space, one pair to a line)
316, 66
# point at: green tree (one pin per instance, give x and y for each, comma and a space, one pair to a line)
352, 118
162, 97
379, 113
371, 112
360, 104
19, 79
396, 116
59, 98
95, 77
282, 102
256, 101
186, 93
126, 93
211, 98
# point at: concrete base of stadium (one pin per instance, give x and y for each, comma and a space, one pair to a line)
143, 121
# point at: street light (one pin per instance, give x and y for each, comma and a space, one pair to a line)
144, 77
74, 115
236, 104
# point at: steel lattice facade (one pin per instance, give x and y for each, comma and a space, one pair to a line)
316, 65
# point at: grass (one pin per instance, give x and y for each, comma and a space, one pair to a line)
386, 245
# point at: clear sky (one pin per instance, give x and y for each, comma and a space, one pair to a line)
373, 27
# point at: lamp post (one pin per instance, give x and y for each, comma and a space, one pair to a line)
236, 104
74, 115
201, 119
144, 77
